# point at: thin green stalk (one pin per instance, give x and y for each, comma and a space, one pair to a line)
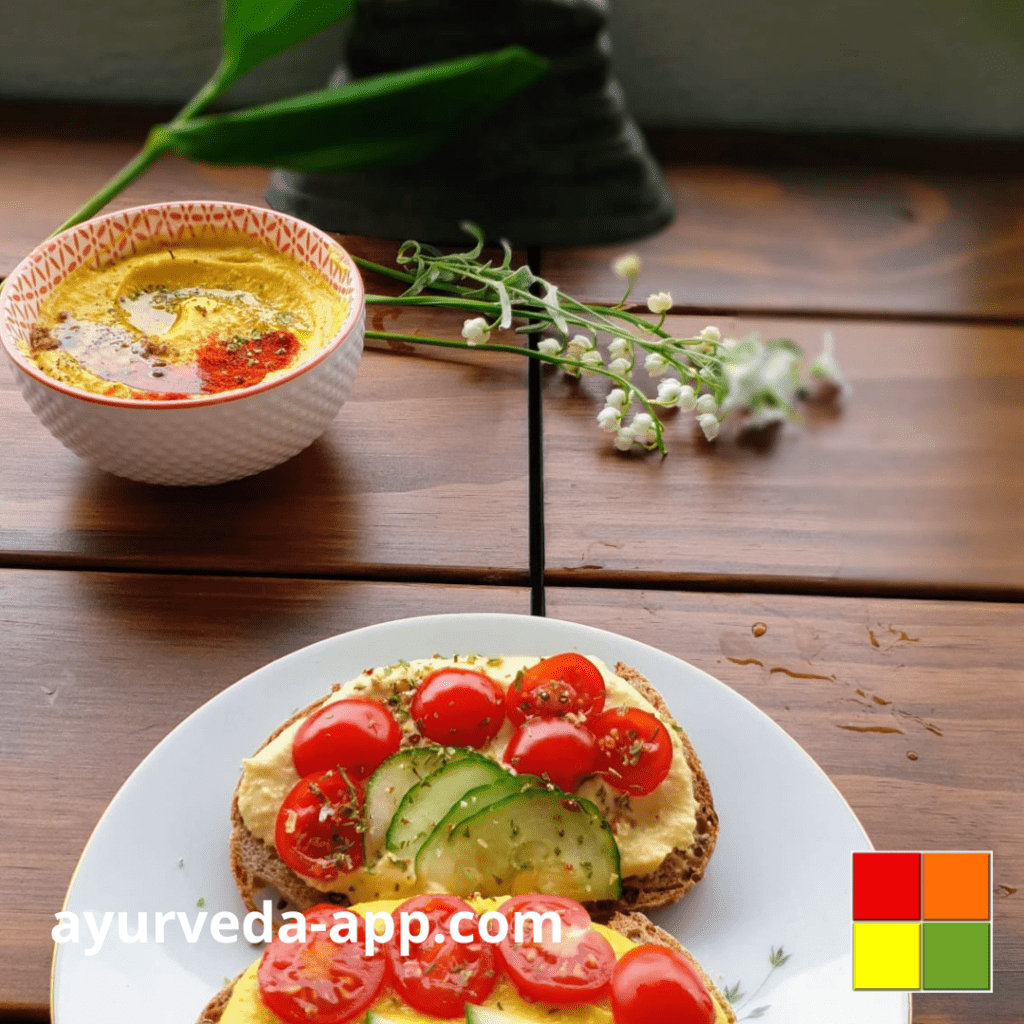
434, 301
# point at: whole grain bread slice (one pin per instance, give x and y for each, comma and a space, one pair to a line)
257, 866
634, 926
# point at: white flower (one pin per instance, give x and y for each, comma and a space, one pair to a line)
609, 419
620, 367
710, 334
575, 348
762, 379
706, 404
617, 400
642, 426
590, 360
687, 400
620, 348
708, 422
826, 369
655, 364
660, 302
583, 340
627, 266
549, 346
624, 439
475, 331
669, 391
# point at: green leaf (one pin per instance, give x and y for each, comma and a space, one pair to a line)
257, 29
388, 119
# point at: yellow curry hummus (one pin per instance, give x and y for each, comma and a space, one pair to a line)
184, 320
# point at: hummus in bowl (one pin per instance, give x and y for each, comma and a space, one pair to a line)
185, 343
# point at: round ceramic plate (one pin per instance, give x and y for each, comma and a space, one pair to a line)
780, 877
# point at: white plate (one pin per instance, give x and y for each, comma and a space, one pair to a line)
780, 875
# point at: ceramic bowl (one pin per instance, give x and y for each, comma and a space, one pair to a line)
201, 440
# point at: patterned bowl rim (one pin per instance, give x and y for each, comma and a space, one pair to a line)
28, 367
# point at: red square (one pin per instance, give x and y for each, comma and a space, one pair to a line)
886, 886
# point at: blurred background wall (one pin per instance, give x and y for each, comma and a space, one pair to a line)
946, 67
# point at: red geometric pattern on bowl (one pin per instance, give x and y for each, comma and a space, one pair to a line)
209, 438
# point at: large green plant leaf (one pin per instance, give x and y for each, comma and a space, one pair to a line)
257, 29
387, 119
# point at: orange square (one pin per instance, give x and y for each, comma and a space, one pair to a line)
956, 886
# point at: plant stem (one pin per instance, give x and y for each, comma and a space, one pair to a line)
434, 301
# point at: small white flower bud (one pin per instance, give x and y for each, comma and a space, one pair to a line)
583, 341
616, 399
608, 419
655, 364
620, 367
475, 331
549, 346
624, 439
710, 334
660, 302
708, 422
669, 391
627, 266
574, 350
706, 405
642, 426
620, 348
687, 400
590, 360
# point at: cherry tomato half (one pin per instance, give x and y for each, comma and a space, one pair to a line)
634, 748
652, 983
578, 969
458, 707
356, 734
554, 749
318, 832
556, 686
320, 981
439, 978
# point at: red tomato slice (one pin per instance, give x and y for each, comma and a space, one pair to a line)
459, 707
578, 969
356, 734
439, 978
652, 983
556, 686
634, 749
319, 981
318, 832
554, 749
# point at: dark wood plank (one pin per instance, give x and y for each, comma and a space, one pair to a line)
914, 485
827, 240
98, 668
915, 710
424, 472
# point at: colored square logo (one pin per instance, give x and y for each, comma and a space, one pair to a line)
886, 887
957, 886
957, 956
886, 955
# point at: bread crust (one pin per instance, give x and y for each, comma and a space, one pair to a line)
633, 925
257, 866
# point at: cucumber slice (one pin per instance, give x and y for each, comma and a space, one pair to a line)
429, 801
389, 784
472, 802
490, 1015
538, 841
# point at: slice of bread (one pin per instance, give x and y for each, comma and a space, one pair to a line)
257, 866
633, 926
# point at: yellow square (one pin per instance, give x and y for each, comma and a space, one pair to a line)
887, 955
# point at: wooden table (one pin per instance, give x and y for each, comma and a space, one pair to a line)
859, 577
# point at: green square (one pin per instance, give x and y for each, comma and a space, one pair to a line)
957, 955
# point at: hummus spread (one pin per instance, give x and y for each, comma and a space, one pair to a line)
184, 320
647, 828
246, 1007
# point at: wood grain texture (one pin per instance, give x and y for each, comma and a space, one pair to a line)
914, 709
826, 240
97, 668
423, 473
915, 481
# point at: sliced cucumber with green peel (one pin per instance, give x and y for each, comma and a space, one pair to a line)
538, 841
472, 802
429, 801
490, 1015
389, 784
